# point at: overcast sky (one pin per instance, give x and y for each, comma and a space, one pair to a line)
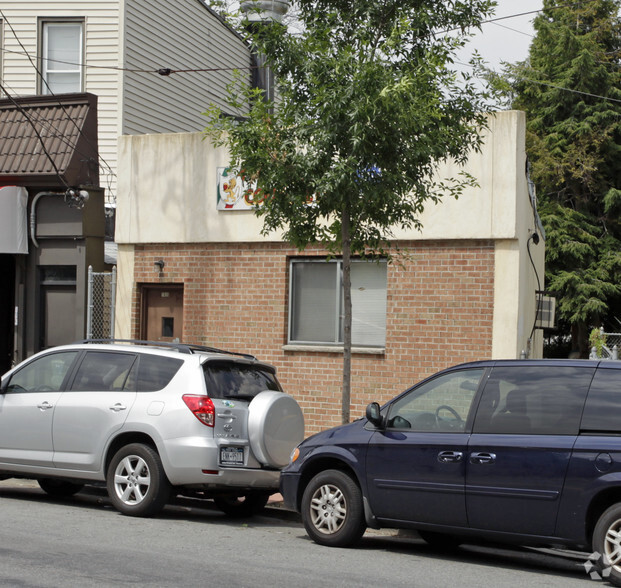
508, 39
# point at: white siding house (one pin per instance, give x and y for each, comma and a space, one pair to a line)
114, 50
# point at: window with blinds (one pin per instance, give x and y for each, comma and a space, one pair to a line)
316, 311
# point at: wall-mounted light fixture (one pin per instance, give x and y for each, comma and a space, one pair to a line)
159, 264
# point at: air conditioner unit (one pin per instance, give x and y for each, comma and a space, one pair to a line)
546, 311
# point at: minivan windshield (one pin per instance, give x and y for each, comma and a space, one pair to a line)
234, 380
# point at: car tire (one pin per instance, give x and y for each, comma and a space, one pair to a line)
607, 543
136, 481
332, 510
440, 540
59, 488
275, 427
242, 506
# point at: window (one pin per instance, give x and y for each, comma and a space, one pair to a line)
102, 371
45, 374
529, 400
62, 55
154, 372
603, 408
230, 380
441, 404
316, 303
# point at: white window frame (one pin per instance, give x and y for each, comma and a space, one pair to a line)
337, 340
71, 66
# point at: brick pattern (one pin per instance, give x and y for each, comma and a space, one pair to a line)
439, 313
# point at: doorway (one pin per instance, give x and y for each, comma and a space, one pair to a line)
162, 313
7, 311
58, 303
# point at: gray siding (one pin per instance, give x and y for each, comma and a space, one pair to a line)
176, 35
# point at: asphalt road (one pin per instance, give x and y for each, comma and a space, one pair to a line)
84, 542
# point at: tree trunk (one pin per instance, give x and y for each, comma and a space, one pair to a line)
580, 340
346, 246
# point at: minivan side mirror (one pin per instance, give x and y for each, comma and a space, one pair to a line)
374, 416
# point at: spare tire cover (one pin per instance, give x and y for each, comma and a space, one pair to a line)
275, 427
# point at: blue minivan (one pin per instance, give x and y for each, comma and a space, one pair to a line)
521, 451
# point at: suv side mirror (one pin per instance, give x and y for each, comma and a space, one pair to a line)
374, 416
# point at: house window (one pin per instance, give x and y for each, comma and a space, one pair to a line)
62, 57
316, 312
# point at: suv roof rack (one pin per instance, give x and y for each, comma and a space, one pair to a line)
180, 347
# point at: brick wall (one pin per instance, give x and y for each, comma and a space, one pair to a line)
439, 313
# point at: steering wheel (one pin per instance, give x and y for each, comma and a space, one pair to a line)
44, 388
450, 409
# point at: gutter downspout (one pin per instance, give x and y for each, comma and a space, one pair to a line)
33, 214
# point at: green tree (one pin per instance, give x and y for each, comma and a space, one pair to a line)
368, 105
570, 88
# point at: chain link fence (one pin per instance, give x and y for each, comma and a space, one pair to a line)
101, 301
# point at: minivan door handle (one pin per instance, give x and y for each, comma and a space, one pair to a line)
44, 405
118, 407
450, 456
482, 457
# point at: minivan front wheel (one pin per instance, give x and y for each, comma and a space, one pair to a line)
136, 481
607, 542
332, 510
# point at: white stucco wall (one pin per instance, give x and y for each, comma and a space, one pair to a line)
180, 204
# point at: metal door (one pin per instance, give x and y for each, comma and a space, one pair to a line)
95, 406
524, 433
416, 467
27, 410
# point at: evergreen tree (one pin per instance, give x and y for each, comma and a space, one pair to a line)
570, 88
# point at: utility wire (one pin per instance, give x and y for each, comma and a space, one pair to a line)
22, 110
513, 30
42, 78
54, 132
165, 71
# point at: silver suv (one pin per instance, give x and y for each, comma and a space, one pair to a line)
151, 421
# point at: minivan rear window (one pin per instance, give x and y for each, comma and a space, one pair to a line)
533, 400
603, 407
234, 380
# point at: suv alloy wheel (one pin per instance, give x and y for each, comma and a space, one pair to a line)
136, 481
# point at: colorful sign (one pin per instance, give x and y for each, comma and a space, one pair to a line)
234, 193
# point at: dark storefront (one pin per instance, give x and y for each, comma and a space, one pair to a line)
52, 220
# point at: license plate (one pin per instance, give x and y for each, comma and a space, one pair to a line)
232, 456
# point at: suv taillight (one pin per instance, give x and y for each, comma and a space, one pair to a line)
202, 407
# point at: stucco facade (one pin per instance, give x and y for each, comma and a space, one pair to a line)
463, 288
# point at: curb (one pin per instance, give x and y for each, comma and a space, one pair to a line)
278, 510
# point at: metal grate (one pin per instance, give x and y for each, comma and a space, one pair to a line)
101, 301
